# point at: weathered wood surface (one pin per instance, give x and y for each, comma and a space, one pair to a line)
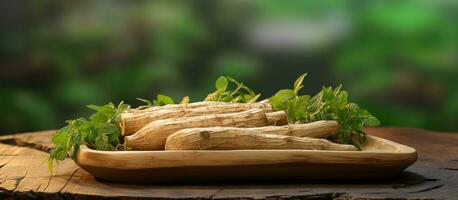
24, 175
380, 159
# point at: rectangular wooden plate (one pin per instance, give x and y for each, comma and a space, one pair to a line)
380, 159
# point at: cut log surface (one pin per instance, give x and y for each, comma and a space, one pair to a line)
24, 175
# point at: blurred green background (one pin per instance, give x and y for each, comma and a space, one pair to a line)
398, 59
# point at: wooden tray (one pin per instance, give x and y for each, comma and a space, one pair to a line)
381, 159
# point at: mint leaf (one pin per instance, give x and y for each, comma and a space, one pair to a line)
221, 83
282, 99
61, 137
59, 153
101, 132
164, 100
298, 83
101, 143
224, 93
371, 121
328, 104
298, 108
161, 100
146, 101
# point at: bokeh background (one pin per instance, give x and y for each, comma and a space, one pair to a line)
398, 59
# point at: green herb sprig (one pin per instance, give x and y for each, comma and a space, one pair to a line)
241, 93
328, 104
161, 100
101, 132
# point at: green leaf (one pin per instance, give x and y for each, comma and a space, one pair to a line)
101, 132
253, 99
298, 108
184, 100
50, 166
94, 107
61, 138
148, 102
160, 101
59, 153
298, 83
101, 143
372, 121
281, 99
250, 91
164, 100
232, 80
328, 104
223, 93
221, 83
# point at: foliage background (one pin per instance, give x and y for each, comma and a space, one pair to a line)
398, 59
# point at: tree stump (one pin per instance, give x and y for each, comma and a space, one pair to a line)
24, 175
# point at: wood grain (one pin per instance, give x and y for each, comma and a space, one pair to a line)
38, 140
433, 176
380, 159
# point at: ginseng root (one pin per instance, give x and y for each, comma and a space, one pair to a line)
220, 138
318, 129
153, 135
133, 121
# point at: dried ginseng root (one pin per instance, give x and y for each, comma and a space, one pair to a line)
318, 129
154, 135
133, 121
220, 138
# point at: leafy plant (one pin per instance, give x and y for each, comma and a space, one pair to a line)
161, 100
241, 93
101, 131
328, 104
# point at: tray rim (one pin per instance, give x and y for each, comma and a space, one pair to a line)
402, 155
